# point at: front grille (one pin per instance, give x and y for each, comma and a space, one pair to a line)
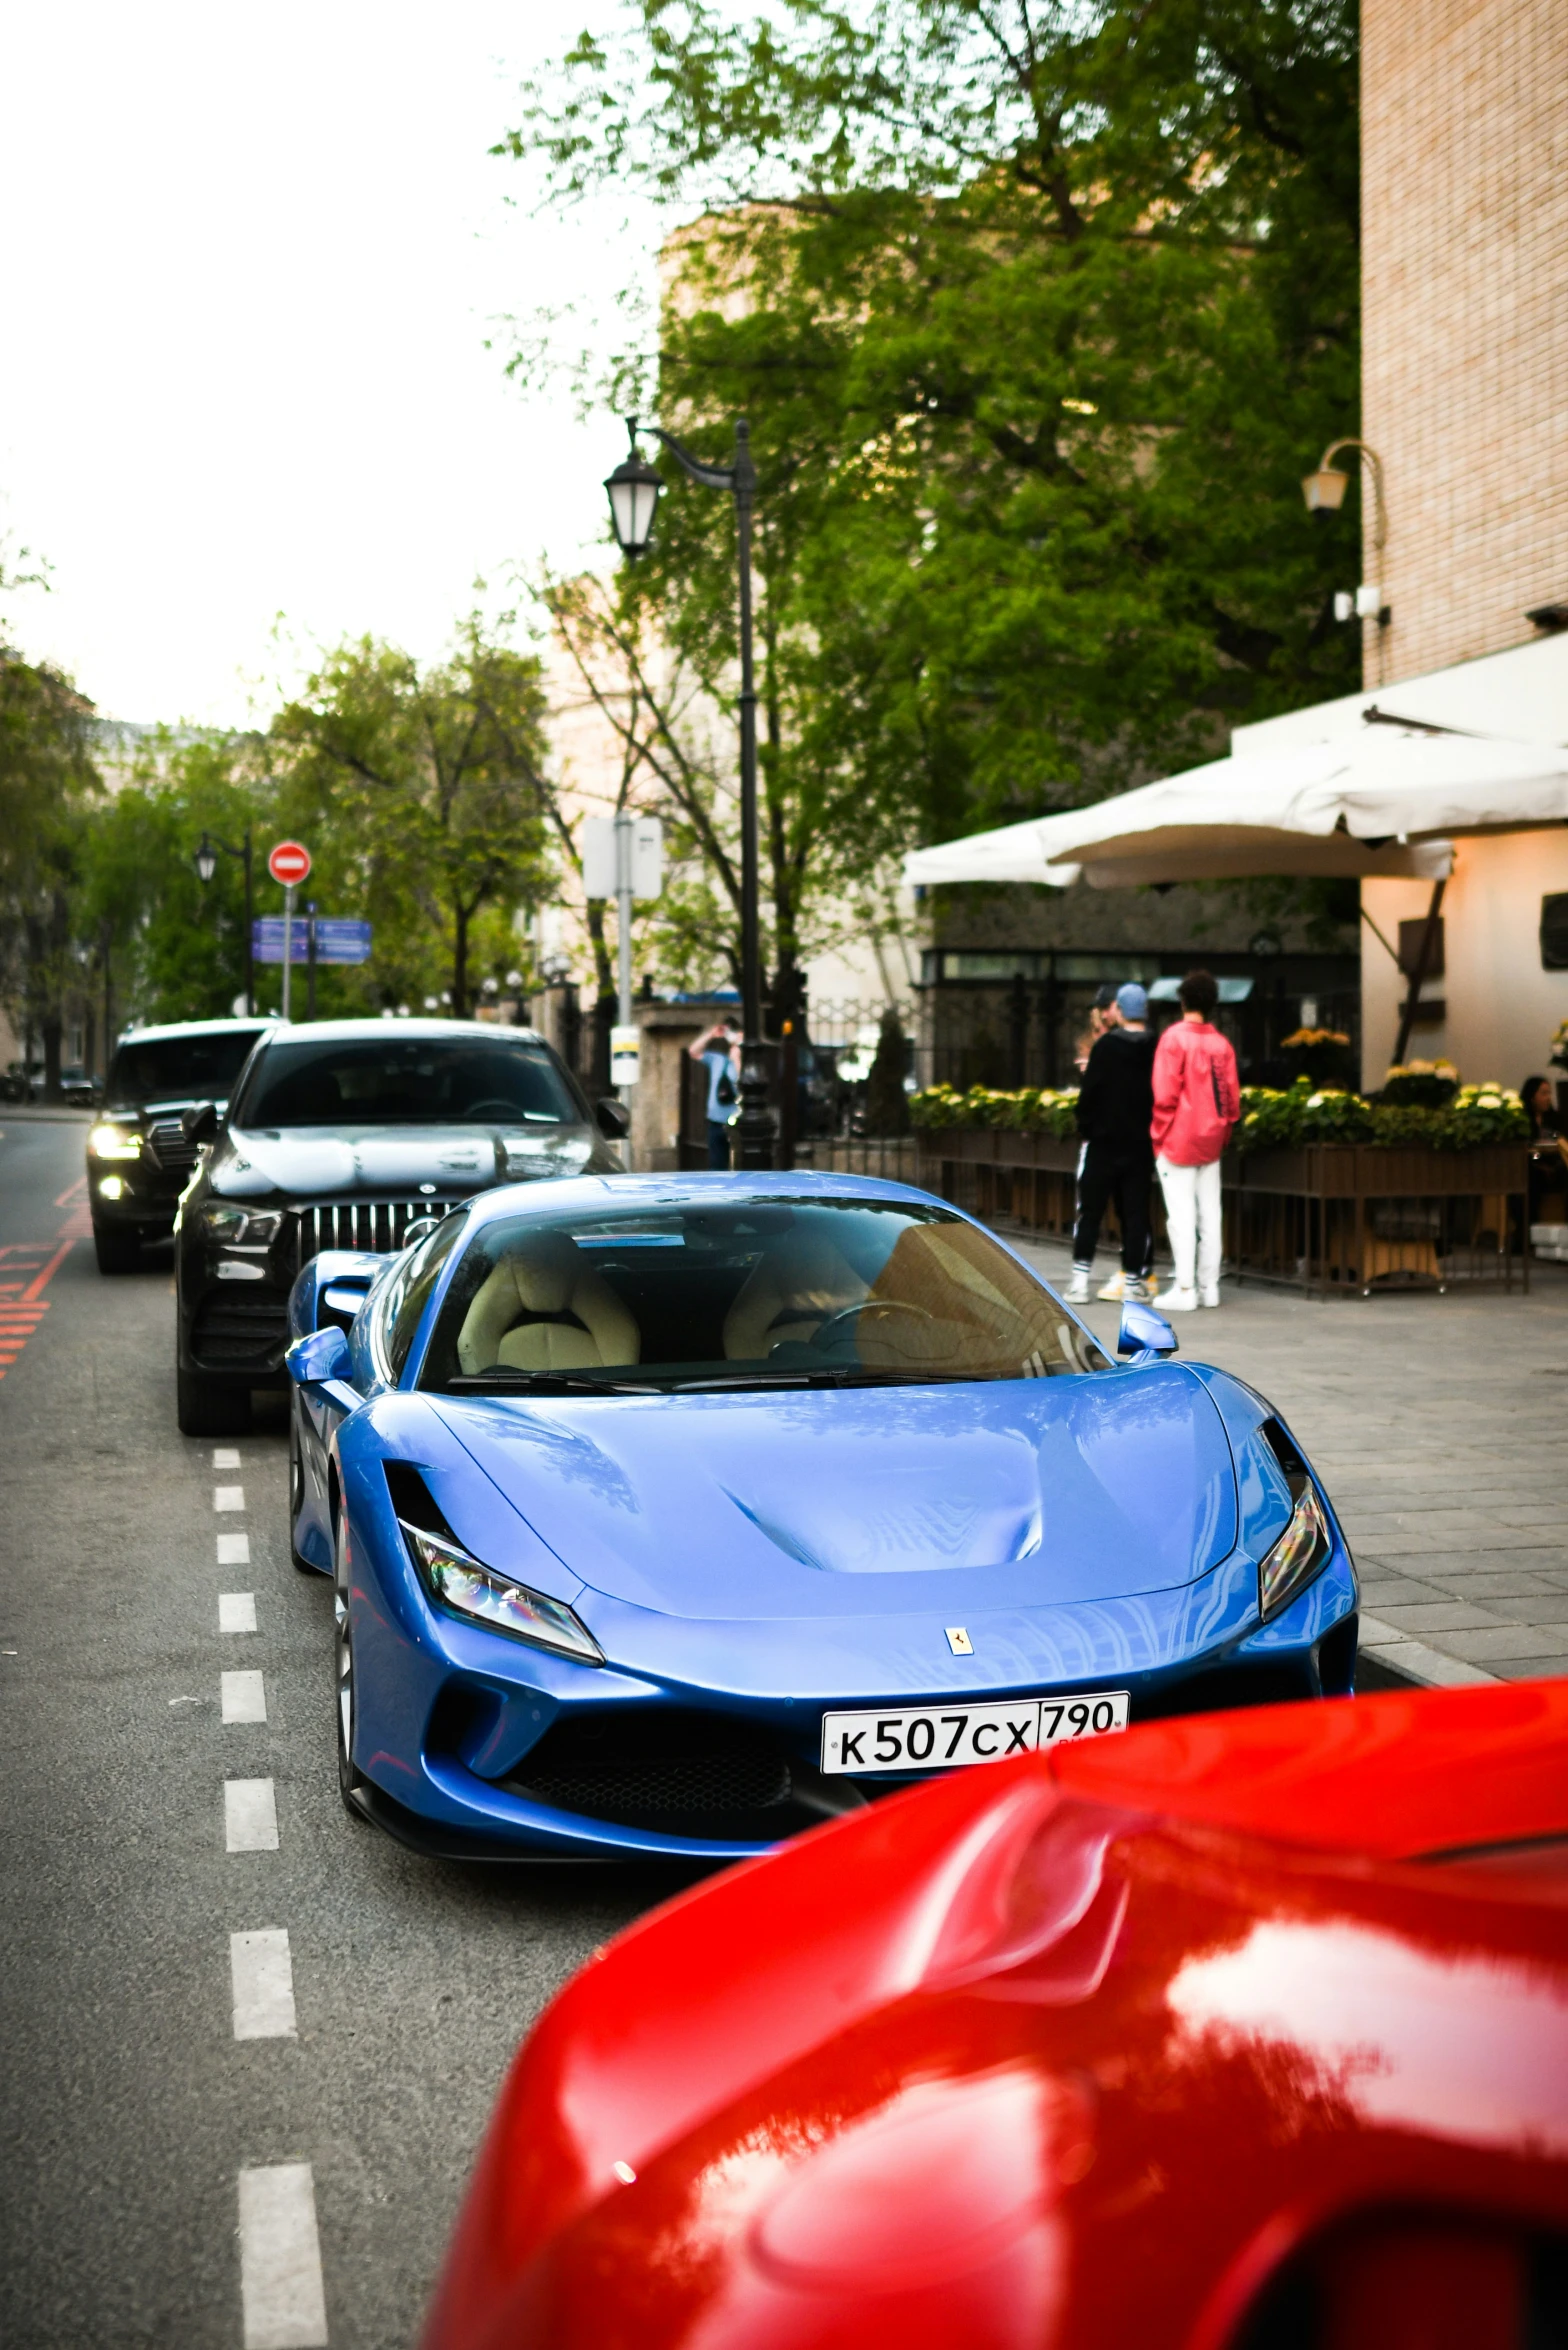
374, 1224
241, 1328
690, 1774
168, 1149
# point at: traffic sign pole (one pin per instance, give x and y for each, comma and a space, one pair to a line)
288, 942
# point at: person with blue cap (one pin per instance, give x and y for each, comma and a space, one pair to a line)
1115, 1103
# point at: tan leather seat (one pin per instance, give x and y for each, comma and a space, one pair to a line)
547, 1274
789, 1294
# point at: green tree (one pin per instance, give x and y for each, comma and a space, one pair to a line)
47, 783
421, 795
1038, 313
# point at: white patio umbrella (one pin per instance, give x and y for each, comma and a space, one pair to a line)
1386, 801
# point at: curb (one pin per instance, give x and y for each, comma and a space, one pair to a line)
1427, 1667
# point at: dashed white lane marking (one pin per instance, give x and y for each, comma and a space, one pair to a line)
244, 1698
234, 1550
280, 2259
263, 1977
250, 1815
225, 1457
228, 1497
236, 1611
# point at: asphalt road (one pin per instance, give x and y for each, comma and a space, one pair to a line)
128, 2108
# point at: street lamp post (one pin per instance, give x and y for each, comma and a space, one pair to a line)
1324, 492
633, 490
206, 861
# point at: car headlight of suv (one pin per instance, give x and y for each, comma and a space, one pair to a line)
114, 1142
1301, 1552
466, 1585
240, 1227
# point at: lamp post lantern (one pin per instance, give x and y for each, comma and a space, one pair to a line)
206, 863
633, 490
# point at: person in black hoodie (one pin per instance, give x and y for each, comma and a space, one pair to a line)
1115, 1105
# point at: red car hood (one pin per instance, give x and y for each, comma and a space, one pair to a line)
1043, 2054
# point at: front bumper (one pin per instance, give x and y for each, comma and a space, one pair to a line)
477, 1745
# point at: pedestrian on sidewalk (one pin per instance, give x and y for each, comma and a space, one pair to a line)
718, 1049
1115, 1106
1197, 1101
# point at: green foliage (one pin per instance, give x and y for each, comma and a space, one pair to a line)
1026, 1109
1037, 328
1285, 1121
421, 796
47, 785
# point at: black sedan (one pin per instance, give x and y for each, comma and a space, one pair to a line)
139, 1158
349, 1134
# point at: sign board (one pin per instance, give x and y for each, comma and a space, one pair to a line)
289, 863
644, 837
625, 1055
337, 941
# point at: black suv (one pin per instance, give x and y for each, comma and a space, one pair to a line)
343, 1135
139, 1159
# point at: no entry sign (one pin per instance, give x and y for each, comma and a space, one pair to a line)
289, 863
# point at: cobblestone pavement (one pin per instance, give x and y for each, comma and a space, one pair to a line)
1438, 1425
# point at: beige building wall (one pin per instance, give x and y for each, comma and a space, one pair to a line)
1500, 1008
1465, 298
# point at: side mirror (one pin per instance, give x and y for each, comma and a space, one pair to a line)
318, 1356
614, 1119
199, 1123
1144, 1334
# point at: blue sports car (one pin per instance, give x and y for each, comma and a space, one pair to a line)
672, 1514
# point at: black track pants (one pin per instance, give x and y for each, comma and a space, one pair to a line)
1125, 1176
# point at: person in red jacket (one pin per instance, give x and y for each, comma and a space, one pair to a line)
1197, 1100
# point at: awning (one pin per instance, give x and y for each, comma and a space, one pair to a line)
1386, 801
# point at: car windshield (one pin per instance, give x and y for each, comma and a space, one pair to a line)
408, 1081
785, 1293
178, 1068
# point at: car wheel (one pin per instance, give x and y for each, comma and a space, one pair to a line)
116, 1251
207, 1407
296, 1491
350, 1784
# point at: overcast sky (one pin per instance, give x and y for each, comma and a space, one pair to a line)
252, 259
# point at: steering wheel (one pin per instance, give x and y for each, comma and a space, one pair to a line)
478, 1109
822, 1335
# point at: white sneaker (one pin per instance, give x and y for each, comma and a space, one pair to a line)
1134, 1289
1209, 1297
1179, 1301
1114, 1289
1077, 1290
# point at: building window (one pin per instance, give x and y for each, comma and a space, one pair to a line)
1554, 932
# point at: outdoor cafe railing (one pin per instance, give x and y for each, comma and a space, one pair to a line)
1332, 1218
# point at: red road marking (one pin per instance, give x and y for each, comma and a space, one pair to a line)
23, 1279
69, 1198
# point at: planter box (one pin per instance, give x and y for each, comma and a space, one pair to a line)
1331, 1217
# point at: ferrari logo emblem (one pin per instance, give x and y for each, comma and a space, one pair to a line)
959, 1641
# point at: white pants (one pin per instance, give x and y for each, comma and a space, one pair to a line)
1192, 1218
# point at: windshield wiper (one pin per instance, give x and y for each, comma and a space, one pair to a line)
544, 1383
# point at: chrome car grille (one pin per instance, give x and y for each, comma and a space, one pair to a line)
377, 1225
168, 1148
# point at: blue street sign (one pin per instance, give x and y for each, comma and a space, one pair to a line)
338, 940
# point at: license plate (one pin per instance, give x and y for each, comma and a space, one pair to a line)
944, 1737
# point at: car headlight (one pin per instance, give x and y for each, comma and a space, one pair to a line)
1301, 1552
465, 1584
240, 1227
114, 1142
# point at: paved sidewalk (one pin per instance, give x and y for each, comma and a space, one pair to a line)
1438, 1425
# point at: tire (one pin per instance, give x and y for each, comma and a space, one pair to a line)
206, 1407
117, 1250
350, 1783
302, 1566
